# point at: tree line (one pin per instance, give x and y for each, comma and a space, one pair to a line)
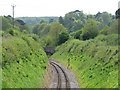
74, 24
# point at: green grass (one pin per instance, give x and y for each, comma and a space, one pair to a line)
94, 62
0, 61
24, 62
0, 78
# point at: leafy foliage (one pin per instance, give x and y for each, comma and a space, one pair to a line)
49, 32
114, 28
24, 62
78, 34
37, 20
73, 20
94, 62
90, 29
6, 24
63, 37
117, 13
61, 21
105, 30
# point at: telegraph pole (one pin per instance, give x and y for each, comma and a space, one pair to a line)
13, 6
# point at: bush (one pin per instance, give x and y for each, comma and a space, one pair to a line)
105, 30
1, 33
35, 37
111, 39
63, 37
78, 34
90, 30
23, 65
13, 32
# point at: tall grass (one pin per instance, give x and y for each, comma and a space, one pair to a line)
24, 62
94, 62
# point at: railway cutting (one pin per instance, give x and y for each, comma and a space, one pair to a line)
62, 77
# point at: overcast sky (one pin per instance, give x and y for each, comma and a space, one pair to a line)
56, 7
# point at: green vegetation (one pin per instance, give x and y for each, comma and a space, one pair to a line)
63, 37
86, 44
90, 29
24, 61
117, 13
49, 33
0, 52
0, 63
75, 20
37, 20
94, 62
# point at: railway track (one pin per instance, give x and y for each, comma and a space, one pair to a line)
60, 76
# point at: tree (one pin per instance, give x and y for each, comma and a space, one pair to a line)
114, 28
55, 30
42, 21
6, 24
106, 18
22, 25
74, 20
63, 37
105, 30
51, 20
78, 34
61, 21
117, 13
41, 29
21, 22
90, 29
35, 29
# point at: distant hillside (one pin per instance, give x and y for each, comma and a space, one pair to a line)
37, 20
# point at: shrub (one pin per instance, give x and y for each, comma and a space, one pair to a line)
35, 37
90, 29
13, 32
78, 34
105, 30
63, 37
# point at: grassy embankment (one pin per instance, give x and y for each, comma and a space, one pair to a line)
24, 62
0, 63
94, 62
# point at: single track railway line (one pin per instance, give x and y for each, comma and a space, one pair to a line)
61, 76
